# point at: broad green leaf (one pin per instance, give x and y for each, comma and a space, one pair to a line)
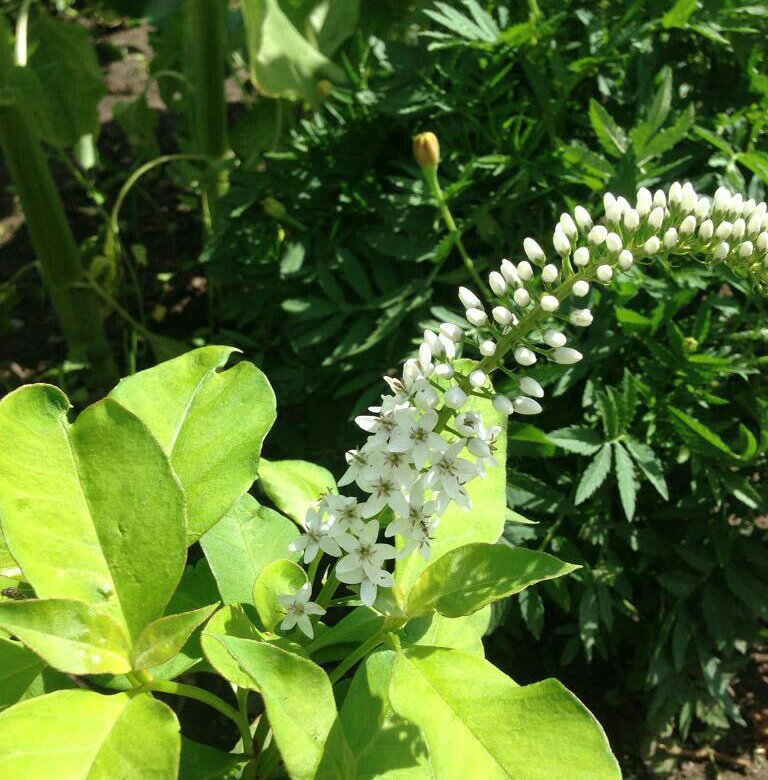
577, 438
484, 522
283, 63
19, 667
612, 138
299, 702
353, 629
238, 547
649, 464
461, 633
532, 610
82, 734
87, 507
667, 139
332, 22
72, 636
210, 422
384, 745
201, 762
625, 475
468, 578
594, 475
71, 84
163, 638
278, 578
679, 14
478, 723
294, 485
228, 621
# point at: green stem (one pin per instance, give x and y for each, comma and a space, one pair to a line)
245, 724
364, 649
328, 590
430, 176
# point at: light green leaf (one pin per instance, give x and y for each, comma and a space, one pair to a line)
594, 475
87, 508
238, 547
283, 63
612, 138
19, 667
625, 475
332, 22
667, 139
210, 422
461, 633
278, 578
72, 636
384, 745
354, 628
698, 436
679, 14
294, 485
484, 522
757, 162
468, 578
161, 640
577, 438
228, 621
82, 734
479, 723
299, 702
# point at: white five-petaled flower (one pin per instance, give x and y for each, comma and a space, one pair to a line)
318, 535
346, 511
396, 467
379, 425
414, 434
364, 562
357, 462
298, 609
416, 520
449, 473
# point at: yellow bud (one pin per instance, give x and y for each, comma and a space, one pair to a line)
426, 150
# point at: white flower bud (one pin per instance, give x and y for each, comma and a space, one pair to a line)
502, 315
622, 203
468, 299
613, 243
581, 317
581, 256
455, 398
660, 199
722, 199
521, 297
425, 355
531, 387
613, 214
644, 201
478, 447
761, 207
447, 346
670, 238
561, 243
609, 200
652, 245
580, 288
549, 303
631, 219
476, 317
656, 218
735, 205
706, 231
524, 356
754, 224
451, 331
487, 348
721, 250
503, 405
738, 229
555, 338
549, 273
568, 226
524, 405
762, 242
444, 370
565, 356
675, 193
604, 273
431, 338
688, 226
509, 271
597, 235
478, 378
723, 230
583, 220
690, 198
746, 250
524, 270
427, 398
748, 208
497, 283
533, 251
702, 209
625, 259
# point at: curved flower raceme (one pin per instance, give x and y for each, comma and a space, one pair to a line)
414, 462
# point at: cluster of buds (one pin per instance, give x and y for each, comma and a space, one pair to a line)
428, 439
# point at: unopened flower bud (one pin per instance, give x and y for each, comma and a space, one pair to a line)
652, 245
613, 214
560, 242
554, 338
613, 243
565, 356
487, 348
583, 220
702, 209
549, 303
533, 251
670, 238
478, 378
502, 315
735, 205
503, 405
549, 273
762, 242
690, 198
521, 297
721, 250
568, 226
451, 331
444, 370
738, 229
525, 270
659, 199
426, 150
531, 387
425, 355
597, 235
581, 318
524, 356
723, 230
525, 405
754, 224
625, 259
497, 283
468, 299
748, 208
675, 194
746, 250
722, 199
476, 317
631, 219
478, 447
580, 288
581, 256
604, 273
688, 226
509, 272
707, 230
644, 201
656, 218
455, 398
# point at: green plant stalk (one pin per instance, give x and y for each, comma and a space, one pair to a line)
76, 306
205, 45
365, 648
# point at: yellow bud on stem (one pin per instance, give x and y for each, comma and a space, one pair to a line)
426, 150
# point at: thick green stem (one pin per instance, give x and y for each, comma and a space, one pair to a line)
328, 590
364, 649
76, 305
205, 44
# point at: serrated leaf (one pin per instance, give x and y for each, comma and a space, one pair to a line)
649, 464
679, 14
612, 138
594, 475
578, 439
667, 139
625, 475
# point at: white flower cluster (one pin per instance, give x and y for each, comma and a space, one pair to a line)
411, 467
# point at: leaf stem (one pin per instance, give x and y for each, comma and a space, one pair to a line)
328, 590
364, 649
